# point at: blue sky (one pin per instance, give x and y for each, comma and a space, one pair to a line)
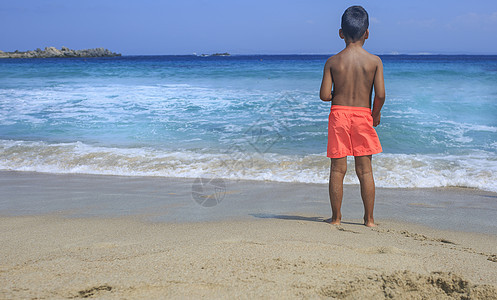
247, 27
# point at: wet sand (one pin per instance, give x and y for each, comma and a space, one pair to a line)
70, 236
177, 200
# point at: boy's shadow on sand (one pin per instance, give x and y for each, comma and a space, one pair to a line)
298, 218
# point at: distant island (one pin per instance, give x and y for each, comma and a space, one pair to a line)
51, 52
215, 54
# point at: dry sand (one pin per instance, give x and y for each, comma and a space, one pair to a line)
58, 257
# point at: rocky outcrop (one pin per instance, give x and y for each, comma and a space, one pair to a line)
63, 52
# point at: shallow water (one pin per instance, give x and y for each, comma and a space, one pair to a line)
243, 117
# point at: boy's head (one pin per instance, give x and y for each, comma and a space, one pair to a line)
355, 22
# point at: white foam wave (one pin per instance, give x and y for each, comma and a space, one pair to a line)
471, 127
110, 103
406, 112
476, 170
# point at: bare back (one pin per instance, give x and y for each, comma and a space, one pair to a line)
353, 75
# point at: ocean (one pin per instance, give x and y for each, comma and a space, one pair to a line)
255, 117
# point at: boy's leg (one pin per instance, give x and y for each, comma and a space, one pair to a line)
364, 171
338, 169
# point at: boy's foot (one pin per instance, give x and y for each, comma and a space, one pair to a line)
332, 222
369, 223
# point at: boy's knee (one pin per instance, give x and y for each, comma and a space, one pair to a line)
363, 166
362, 171
339, 169
339, 166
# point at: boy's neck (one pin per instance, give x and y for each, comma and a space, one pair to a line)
354, 44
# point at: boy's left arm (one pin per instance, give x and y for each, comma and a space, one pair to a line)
379, 93
325, 92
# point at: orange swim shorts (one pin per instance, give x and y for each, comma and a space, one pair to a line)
351, 132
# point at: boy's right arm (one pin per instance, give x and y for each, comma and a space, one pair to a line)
379, 93
325, 92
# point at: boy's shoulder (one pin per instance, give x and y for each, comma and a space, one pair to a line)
342, 55
374, 57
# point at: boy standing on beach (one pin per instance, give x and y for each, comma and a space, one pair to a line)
348, 81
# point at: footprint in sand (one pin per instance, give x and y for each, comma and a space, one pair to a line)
94, 290
381, 250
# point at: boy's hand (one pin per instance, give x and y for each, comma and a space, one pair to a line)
376, 119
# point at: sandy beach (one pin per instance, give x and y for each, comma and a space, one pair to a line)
69, 247
54, 257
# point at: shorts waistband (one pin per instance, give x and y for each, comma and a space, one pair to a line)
350, 108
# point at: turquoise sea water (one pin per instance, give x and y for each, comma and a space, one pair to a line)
247, 117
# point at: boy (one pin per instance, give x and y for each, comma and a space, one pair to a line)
353, 74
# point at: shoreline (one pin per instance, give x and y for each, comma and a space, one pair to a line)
177, 200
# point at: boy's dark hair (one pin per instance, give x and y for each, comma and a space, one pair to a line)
355, 21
